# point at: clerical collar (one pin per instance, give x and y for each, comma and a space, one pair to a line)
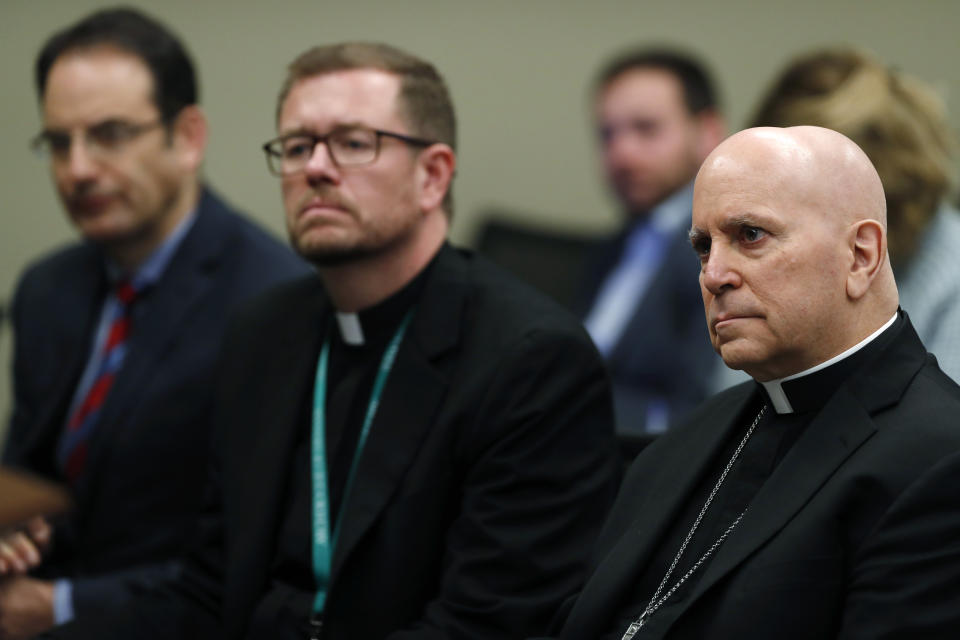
350, 329
810, 389
377, 323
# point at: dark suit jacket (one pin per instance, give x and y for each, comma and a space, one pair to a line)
664, 351
139, 496
853, 535
488, 469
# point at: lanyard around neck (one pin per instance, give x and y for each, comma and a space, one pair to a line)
323, 541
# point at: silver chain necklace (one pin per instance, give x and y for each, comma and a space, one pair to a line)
656, 601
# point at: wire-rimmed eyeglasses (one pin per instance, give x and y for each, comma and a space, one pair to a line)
102, 139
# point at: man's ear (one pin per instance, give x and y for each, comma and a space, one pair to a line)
868, 244
190, 137
436, 166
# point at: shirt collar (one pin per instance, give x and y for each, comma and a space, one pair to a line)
674, 212
664, 220
151, 269
808, 389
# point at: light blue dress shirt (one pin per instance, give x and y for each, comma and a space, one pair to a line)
624, 288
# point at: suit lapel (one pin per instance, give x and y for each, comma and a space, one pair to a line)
681, 468
82, 297
662, 305
263, 454
158, 326
833, 436
411, 398
603, 258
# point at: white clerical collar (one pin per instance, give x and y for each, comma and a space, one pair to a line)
350, 329
781, 403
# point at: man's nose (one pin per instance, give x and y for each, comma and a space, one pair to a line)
719, 271
81, 165
320, 165
621, 146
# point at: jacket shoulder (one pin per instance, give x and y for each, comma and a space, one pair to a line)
249, 242
504, 300
47, 275
269, 307
61, 260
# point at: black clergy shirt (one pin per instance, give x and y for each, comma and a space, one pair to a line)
285, 610
771, 441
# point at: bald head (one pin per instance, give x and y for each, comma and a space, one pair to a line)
790, 227
816, 165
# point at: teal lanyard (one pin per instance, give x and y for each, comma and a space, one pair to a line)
323, 542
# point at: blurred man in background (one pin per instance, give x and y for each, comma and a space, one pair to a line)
656, 117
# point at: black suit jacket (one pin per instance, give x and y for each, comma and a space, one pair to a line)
137, 501
664, 352
853, 536
488, 469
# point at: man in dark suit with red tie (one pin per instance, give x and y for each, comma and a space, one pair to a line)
819, 499
115, 337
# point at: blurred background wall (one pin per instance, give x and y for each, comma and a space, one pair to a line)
519, 72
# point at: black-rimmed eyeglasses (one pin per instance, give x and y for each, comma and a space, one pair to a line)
346, 146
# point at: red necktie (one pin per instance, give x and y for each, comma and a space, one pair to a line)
73, 446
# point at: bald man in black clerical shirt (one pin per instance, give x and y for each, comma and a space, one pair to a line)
814, 501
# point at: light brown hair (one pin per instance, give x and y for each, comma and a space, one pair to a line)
898, 120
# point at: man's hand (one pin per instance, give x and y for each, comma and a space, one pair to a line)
21, 549
26, 607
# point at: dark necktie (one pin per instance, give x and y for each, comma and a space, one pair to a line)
73, 447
